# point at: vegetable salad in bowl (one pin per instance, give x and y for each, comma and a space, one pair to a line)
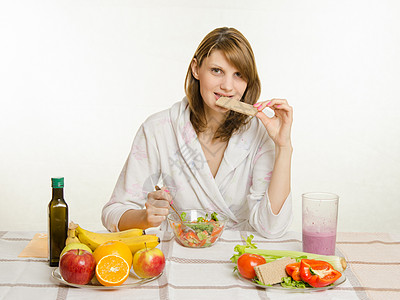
206, 227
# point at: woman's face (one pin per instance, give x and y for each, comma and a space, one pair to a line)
218, 78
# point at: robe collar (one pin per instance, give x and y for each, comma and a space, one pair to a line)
239, 147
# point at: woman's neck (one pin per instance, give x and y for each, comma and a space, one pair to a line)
214, 120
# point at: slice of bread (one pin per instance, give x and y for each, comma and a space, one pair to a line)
272, 272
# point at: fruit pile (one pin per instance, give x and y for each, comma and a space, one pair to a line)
109, 256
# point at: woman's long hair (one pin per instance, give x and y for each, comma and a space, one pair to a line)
239, 53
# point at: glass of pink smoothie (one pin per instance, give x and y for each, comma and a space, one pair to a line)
319, 222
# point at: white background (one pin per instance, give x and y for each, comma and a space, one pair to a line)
77, 78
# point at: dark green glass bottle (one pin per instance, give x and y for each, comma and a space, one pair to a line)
58, 221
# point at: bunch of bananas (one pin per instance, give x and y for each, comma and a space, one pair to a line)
136, 239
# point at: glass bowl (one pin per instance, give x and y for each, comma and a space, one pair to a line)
206, 230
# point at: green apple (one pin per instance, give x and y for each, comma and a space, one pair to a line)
75, 246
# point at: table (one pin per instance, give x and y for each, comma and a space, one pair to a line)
373, 271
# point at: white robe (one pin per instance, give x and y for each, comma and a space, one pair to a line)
166, 147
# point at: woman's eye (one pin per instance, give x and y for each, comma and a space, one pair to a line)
237, 74
216, 70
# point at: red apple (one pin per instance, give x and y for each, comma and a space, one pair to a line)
77, 266
148, 263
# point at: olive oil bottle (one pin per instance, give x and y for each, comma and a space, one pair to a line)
58, 221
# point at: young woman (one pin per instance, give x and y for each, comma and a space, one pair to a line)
209, 157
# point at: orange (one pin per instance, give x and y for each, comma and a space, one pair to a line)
113, 247
112, 270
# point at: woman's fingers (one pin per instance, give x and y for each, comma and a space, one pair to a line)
157, 210
156, 215
168, 194
283, 109
157, 206
279, 126
273, 104
158, 203
279, 106
159, 195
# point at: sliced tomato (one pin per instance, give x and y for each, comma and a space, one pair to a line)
216, 233
217, 230
179, 229
190, 235
202, 243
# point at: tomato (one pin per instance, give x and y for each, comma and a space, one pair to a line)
216, 233
191, 236
247, 262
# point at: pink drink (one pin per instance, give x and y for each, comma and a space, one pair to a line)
319, 243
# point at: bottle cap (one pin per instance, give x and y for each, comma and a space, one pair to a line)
57, 182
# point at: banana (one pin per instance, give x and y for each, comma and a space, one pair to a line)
128, 233
94, 239
137, 243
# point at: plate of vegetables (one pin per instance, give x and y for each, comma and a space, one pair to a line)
291, 271
200, 228
290, 285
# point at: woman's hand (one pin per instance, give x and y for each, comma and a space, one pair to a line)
157, 207
279, 126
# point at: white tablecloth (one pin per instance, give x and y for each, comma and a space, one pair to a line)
373, 271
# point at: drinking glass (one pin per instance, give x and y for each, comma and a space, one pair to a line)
319, 222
